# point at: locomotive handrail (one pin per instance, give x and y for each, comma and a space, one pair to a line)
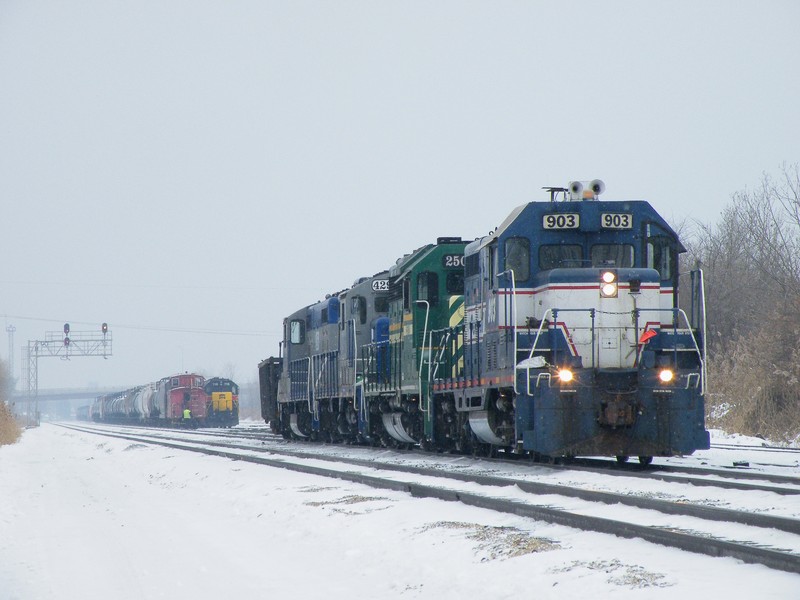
323, 368
538, 332
309, 377
362, 407
676, 313
442, 347
702, 356
513, 317
554, 313
705, 332
422, 353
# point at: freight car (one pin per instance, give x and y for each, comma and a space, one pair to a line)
559, 334
165, 403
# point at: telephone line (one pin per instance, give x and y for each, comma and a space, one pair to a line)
153, 328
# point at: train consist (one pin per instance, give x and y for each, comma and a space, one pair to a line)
559, 334
180, 400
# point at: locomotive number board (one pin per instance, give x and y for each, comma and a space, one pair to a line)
453, 260
561, 221
616, 220
380, 285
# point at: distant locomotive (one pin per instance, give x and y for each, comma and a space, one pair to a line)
559, 334
223, 402
179, 400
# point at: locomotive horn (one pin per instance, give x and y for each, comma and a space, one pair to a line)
597, 186
575, 190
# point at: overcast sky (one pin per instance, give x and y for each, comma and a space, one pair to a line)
176, 168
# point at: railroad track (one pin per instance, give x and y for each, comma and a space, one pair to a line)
634, 516
755, 448
726, 478
729, 478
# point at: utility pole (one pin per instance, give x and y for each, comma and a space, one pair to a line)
66, 346
10, 329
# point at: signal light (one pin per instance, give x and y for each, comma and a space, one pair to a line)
66, 328
66, 341
104, 327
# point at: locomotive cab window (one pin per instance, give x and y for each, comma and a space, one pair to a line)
552, 256
473, 265
660, 256
360, 309
381, 304
608, 255
428, 287
297, 331
518, 257
454, 283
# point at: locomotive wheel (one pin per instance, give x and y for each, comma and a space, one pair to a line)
622, 458
645, 460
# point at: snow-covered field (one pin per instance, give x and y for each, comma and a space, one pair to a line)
83, 516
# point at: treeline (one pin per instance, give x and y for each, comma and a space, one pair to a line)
751, 262
9, 430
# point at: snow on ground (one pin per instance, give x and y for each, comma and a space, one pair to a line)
83, 516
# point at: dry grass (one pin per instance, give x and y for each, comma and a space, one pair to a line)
498, 542
754, 381
10, 431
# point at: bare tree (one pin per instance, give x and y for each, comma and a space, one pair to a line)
752, 265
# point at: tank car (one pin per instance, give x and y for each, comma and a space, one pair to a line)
163, 403
222, 399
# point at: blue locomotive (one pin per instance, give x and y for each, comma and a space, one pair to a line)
559, 334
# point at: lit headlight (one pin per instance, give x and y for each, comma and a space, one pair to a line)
565, 375
666, 375
608, 290
608, 285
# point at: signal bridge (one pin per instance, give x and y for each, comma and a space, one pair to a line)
70, 344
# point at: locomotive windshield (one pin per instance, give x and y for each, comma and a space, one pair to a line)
571, 256
552, 256
617, 255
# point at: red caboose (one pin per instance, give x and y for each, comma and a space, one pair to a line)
185, 392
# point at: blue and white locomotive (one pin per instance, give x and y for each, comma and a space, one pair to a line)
574, 342
559, 334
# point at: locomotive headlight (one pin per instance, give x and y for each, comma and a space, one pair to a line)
608, 284
666, 375
565, 375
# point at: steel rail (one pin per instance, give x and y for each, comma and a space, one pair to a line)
710, 546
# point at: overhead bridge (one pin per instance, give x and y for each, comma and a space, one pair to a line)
57, 395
